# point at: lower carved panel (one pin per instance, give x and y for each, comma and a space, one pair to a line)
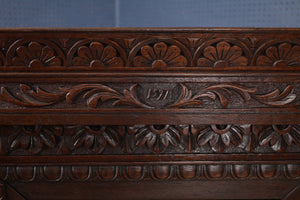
77, 140
150, 172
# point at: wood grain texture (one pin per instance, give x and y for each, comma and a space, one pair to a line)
151, 113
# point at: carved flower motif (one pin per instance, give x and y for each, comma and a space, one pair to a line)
157, 137
96, 55
95, 138
284, 55
160, 56
278, 136
219, 137
34, 138
36, 55
223, 55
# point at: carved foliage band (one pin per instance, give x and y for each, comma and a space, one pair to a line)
52, 140
180, 96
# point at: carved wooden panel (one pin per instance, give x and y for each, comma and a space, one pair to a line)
149, 113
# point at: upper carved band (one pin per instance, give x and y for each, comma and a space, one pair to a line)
156, 53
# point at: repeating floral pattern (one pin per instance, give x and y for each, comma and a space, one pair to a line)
158, 53
20, 140
283, 55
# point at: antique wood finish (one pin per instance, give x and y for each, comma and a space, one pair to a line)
151, 113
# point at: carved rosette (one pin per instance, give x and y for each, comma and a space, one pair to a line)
218, 137
159, 55
281, 55
34, 55
94, 139
97, 55
222, 55
157, 137
278, 137
34, 139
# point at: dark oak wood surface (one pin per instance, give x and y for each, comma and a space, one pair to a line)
150, 113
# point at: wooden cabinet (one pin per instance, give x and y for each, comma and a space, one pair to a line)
150, 113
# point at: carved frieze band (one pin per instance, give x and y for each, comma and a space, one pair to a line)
157, 52
149, 172
77, 140
149, 96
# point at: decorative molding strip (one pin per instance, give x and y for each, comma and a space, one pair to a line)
78, 140
150, 172
156, 52
150, 96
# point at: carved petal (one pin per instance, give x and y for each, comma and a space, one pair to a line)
222, 49
85, 53
179, 61
115, 62
35, 50
272, 53
241, 61
210, 53
172, 52
54, 61
79, 61
294, 59
96, 50
204, 62
148, 53
234, 53
108, 53
140, 61
17, 61
47, 53
284, 49
24, 54
264, 61
160, 50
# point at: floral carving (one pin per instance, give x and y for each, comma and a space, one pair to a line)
160, 56
219, 137
157, 137
279, 137
34, 138
36, 55
95, 138
223, 55
96, 55
283, 55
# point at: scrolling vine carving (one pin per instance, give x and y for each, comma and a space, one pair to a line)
95, 93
